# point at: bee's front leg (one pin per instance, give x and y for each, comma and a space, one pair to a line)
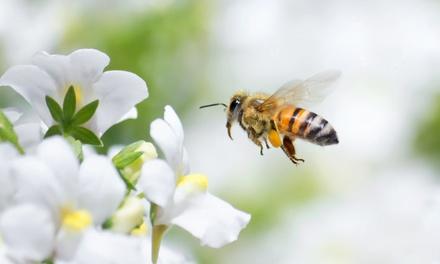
252, 135
265, 142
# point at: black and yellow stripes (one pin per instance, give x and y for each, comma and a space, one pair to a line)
302, 123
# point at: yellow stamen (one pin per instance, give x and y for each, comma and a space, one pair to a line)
199, 180
140, 230
76, 220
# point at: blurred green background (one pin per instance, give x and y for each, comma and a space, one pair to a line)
386, 109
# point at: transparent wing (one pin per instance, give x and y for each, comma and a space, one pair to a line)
302, 93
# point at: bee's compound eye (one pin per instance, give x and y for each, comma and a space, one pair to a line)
234, 104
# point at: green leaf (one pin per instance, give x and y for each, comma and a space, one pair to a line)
85, 136
133, 147
7, 132
122, 161
55, 109
107, 223
47, 261
130, 148
53, 130
69, 104
85, 113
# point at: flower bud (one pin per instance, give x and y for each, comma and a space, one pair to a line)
131, 158
128, 216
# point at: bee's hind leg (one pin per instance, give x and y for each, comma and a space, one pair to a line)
289, 150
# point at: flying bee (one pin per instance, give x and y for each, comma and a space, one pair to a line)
280, 119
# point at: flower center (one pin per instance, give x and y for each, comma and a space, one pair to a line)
76, 220
198, 181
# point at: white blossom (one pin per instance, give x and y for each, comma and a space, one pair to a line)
78, 196
52, 75
182, 198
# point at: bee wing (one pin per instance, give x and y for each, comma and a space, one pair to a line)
300, 93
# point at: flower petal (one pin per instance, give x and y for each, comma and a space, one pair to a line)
129, 215
28, 232
7, 182
132, 114
173, 120
88, 64
116, 88
168, 142
58, 155
33, 84
101, 188
168, 134
29, 134
106, 247
28, 128
36, 183
67, 243
212, 220
157, 182
185, 162
12, 114
58, 67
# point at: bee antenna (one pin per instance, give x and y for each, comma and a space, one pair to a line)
204, 106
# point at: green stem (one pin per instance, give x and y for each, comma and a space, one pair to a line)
19, 148
158, 233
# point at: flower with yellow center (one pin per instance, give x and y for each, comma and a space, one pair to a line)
51, 75
182, 198
79, 197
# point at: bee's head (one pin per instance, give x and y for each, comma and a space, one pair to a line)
233, 109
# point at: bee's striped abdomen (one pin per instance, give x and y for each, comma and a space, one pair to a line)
307, 125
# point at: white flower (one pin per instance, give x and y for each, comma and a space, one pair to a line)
79, 196
27, 232
52, 75
182, 198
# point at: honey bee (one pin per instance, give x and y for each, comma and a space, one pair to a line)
280, 118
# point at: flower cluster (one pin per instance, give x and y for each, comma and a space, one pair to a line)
60, 202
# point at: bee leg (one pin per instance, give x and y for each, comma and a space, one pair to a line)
253, 136
289, 150
265, 142
228, 127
